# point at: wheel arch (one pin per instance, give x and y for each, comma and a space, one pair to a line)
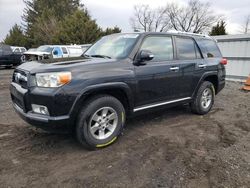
211, 77
119, 90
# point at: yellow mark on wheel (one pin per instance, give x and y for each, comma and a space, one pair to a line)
110, 142
123, 117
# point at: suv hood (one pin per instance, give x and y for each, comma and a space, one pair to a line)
64, 64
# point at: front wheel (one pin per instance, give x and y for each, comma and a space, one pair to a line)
100, 122
204, 99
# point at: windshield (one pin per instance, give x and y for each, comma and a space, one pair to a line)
44, 48
116, 46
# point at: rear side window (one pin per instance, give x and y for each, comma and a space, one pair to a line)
23, 50
64, 50
17, 50
209, 48
161, 47
187, 48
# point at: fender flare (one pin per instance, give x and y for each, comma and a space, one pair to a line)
99, 87
203, 77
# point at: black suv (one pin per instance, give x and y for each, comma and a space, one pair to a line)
8, 58
120, 75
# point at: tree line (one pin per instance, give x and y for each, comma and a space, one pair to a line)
196, 16
69, 22
56, 22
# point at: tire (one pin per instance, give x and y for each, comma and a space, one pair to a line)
204, 99
92, 130
22, 59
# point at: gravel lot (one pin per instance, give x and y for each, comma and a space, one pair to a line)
170, 148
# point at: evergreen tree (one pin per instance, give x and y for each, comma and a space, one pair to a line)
16, 37
109, 31
42, 16
78, 28
56, 22
219, 28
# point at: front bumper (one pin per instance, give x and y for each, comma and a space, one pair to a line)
21, 99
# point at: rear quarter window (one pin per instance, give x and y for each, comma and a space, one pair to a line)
209, 48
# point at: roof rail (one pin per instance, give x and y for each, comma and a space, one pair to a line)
188, 33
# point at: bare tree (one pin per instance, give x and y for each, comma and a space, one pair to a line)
147, 19
195, 17
246, 24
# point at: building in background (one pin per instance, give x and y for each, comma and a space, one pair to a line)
236, 48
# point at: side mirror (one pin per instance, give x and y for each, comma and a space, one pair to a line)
55, 52
144, 55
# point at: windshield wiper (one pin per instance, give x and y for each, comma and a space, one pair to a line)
101, 56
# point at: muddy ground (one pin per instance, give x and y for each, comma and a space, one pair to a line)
170, 148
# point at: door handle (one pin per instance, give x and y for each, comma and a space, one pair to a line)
202, 66
174, 68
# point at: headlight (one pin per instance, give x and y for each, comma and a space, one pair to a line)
53, 79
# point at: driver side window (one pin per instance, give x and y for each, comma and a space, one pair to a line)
160, 46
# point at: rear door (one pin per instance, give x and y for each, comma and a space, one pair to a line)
190, 65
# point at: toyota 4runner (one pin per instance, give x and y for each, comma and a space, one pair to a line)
120, 75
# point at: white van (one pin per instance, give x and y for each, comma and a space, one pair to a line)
54, 51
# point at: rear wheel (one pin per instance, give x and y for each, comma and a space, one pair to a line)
100, 122
204, 99
22, 59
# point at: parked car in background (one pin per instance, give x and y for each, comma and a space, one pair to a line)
85, 46
18, 49
54, 51
10, 57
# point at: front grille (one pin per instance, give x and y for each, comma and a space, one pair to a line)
20, 77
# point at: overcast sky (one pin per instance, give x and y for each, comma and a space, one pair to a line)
109, 13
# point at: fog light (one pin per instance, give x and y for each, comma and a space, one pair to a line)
40, 109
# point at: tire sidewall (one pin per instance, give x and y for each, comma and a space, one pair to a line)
22, 59
204, 86
83, 131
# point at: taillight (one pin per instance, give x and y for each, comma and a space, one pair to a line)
223, 61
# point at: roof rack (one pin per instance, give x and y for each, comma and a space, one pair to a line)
189, 33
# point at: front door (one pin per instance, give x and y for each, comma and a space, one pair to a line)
157, 79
